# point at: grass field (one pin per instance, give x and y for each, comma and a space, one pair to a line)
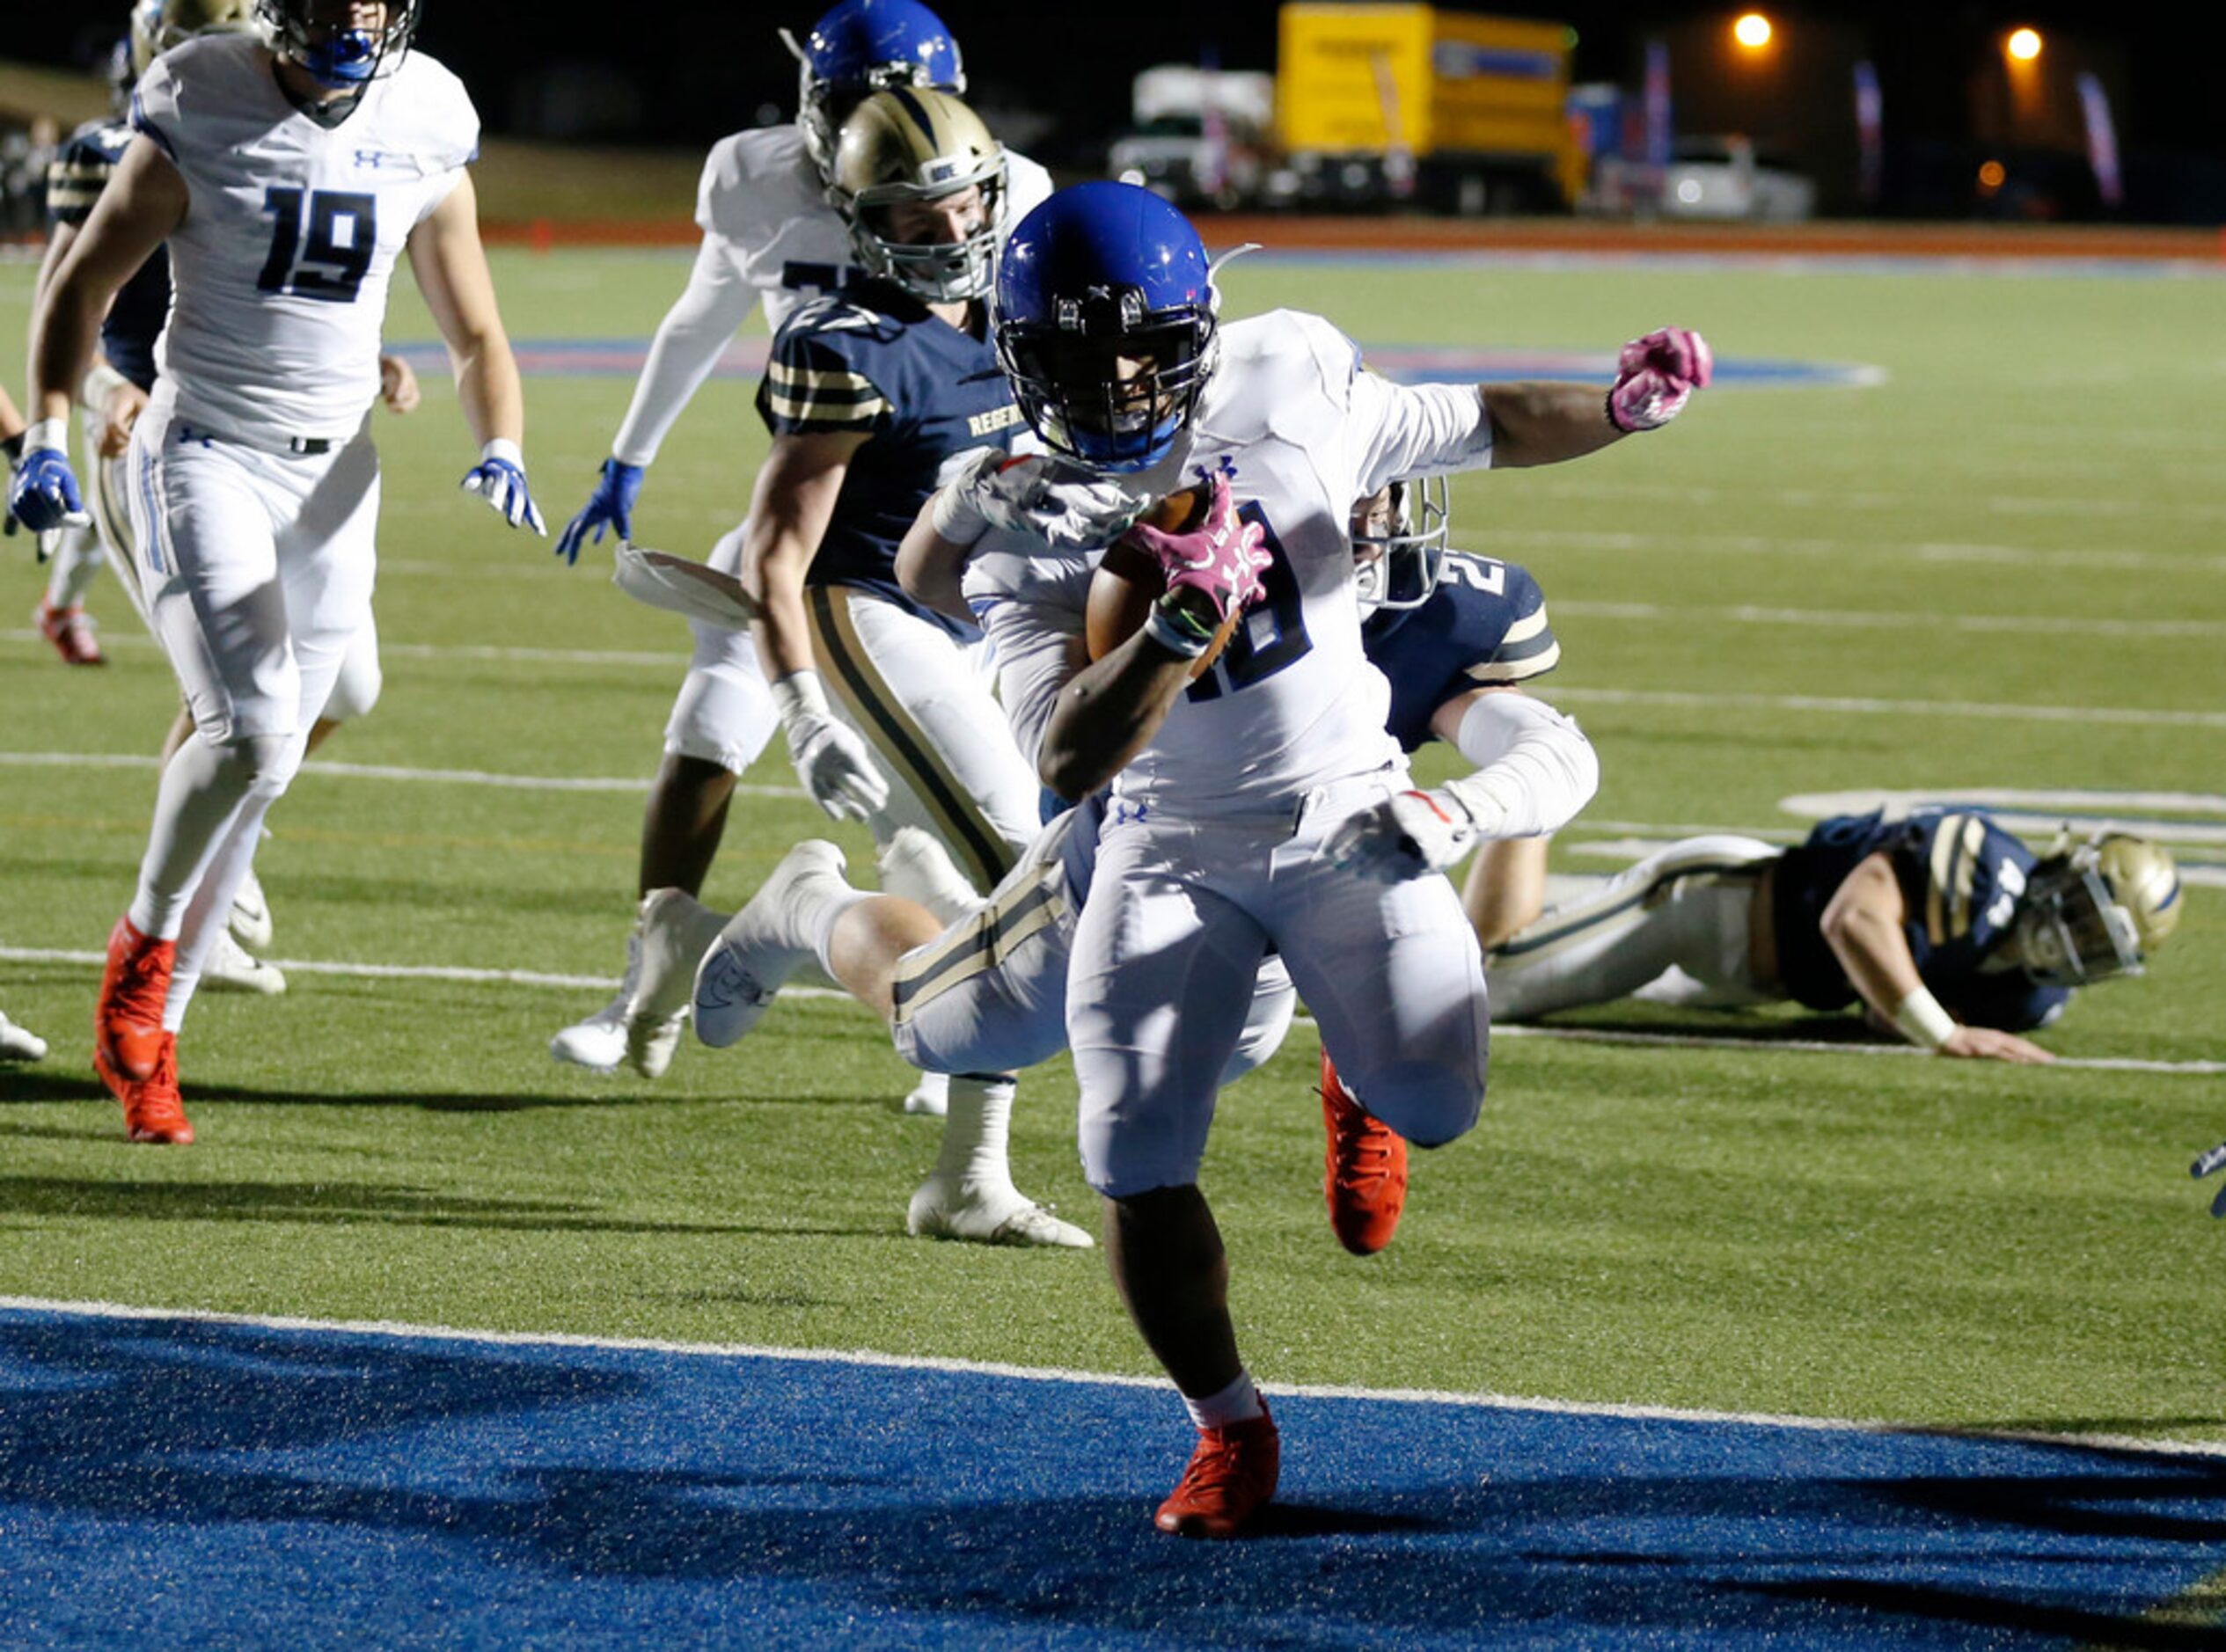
2000, 567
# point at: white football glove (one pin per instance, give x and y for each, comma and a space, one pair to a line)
1403, 837
1061, 505
836, 765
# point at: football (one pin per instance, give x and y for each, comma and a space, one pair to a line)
1128, 581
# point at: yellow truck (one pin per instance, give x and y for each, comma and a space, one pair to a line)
1387, 103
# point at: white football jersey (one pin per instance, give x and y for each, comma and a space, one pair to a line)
1302, 430
762, 200
280, 267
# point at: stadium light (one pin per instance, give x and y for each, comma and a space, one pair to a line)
2023, 45
1753, 30
1992, 176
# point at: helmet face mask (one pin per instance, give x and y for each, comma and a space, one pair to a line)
921, 184
857, 48
1399, 544
1106, 324
321, 38
2096, 910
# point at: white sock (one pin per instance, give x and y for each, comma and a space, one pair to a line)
824, 919
210, 911
1238, 1402
975, 1131
75, 564
200, 797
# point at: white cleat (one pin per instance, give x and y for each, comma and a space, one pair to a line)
981, 1216
676, 931
913, 864
765, 943
599, 1042
250, 921
931, 1096
230, 968
20, 1043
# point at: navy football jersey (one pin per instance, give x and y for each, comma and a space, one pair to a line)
75, 180
1484, 626
1960, 875
873, 360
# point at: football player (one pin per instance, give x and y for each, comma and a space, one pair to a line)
1243, 803
1942, 925
287, 179
110, 399
1455, 635
772, 239
872, 397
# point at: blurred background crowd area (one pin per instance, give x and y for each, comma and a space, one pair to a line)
2068, 114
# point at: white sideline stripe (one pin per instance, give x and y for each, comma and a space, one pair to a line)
439, 651
1841, 620
374, 771
874, 1359
1575, 1035
1849, 706
1839, 550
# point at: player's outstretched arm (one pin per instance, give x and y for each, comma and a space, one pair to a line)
144, 200
1862, 925
450, 267
1538, 423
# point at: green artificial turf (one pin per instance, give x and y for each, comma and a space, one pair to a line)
2000, 524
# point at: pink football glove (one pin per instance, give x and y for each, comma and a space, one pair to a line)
1655, 376
1223, 556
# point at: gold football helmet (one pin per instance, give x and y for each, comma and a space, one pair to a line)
2096, 908
912, 146
159, 24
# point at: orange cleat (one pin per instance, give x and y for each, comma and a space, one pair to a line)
126, 1022
154, 1111
71, 635
1364, 1177
1231, 1477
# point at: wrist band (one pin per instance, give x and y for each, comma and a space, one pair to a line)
94, 389
1922, 1020
1177, 631
48, 432
503, 450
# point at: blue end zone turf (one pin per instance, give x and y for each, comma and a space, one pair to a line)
168, 1482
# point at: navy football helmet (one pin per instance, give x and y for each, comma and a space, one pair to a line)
338, 57
1399, 543
1106, 324
862, 47
159, 24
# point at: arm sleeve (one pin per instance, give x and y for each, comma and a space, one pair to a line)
1036, 646
689, 342
1534, 767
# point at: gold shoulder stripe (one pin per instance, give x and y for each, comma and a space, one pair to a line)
1524, 629
1973, 836
841, 411
819, 380
1517, 670
1944, 849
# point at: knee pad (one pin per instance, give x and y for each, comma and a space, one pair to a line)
268, 761
724, 713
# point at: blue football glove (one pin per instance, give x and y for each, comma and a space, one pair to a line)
499, 478
44, 495
2214, 1159
610, 507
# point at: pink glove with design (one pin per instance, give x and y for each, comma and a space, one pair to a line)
1222, 558
1655, 376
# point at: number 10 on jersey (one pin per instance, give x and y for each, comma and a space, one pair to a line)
323, 253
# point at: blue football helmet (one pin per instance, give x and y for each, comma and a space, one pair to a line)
1105, 322
1399, 543
341, 58
862, 47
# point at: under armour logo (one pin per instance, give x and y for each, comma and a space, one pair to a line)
372, 158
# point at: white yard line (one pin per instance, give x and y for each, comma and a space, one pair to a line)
1845, 620
1576, 1034
1857, 706
1053, 1374
378, 772
620, 658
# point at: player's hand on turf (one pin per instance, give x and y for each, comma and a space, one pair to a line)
1655, 377
499, 478
1402, 837
2214, 1159
609, 509
398, 385
1222, 558
43, 495
1985, 1044
833, 759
